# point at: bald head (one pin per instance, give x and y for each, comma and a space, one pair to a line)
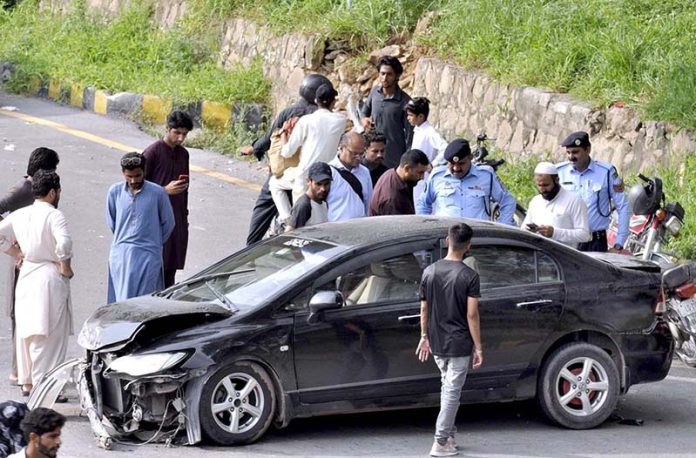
351, 149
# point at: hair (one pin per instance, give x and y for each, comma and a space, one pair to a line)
43, 181
375, 137
459, 235
418, 106
132, 161
41, 421
179, 119
42, 158
392, 62
414, 158
345, 138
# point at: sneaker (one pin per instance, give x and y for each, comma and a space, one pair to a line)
442, 450
451, 443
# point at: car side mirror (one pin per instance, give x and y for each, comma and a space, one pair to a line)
323, 300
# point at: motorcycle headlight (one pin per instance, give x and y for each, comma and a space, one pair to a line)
673, 225
137, 365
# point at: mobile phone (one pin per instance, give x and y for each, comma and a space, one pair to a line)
532, 227
183, 177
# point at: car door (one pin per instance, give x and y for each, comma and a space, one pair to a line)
522, 299
366, 349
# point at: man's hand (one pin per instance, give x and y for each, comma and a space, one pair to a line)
65, 269
423, 349
546, 231
176, 187
246, 150
366, 123
478, 359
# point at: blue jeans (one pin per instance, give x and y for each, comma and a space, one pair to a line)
453, 375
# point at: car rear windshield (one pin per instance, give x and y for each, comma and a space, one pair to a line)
253, 276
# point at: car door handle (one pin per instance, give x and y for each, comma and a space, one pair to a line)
534, 305
408, 317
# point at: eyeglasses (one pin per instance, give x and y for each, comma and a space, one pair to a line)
133, 161
359, 153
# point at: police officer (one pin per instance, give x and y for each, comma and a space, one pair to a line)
462, 189
599, 184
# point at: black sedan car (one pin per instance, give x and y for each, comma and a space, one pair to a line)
325, 320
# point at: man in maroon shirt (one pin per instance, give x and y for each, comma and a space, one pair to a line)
168, 166
393, 194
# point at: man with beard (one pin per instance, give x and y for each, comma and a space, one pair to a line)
599, 185
42, 429
465, 190
384, 110
393, 194
140, 216
374, 155
311, 208
168, 166
351, 188
556, 213
42, 302
265, 211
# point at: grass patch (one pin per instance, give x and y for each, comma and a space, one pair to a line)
128, 54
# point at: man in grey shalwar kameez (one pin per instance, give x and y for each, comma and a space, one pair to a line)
140, 216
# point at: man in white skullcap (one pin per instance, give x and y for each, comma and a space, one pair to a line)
556, 213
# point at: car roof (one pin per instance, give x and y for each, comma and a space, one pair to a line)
382, 229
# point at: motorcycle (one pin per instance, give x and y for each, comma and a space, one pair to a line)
678, 309
653, 222
480, 157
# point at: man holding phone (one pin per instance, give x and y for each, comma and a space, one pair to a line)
556, 213
168, 166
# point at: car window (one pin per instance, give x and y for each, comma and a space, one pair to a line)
502, 266
383, 280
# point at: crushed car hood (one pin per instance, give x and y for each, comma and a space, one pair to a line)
121, 321
626, 262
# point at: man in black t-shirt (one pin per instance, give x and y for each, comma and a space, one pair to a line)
311, 208
450, 329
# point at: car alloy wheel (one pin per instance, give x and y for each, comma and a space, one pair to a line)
237, 404
578, 386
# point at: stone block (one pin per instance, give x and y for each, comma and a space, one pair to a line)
124, 103
156, 108
35, 84
100, 101
54, 89
88, 98
391, 50
77, 94
215, 115
446, 81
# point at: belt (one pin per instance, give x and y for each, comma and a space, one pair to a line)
599, 235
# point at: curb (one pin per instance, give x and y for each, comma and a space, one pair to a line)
153, 108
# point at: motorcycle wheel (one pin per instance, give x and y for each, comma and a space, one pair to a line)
579, 386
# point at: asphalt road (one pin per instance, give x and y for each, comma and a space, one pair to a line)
222, 195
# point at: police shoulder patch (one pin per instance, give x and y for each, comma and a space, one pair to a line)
619, 187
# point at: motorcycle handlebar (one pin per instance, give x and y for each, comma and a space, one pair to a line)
643, 177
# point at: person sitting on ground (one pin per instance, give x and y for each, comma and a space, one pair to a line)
42, 429
374, 155
393, 194
311, 208
556, 213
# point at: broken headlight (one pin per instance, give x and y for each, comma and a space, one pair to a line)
138, 365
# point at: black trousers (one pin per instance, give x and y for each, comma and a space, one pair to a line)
262, 215
169, 275
598, 243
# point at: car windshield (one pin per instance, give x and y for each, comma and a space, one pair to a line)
251, 277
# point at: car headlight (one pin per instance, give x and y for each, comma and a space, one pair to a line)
137, 365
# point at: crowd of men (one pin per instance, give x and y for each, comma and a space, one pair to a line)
394, 163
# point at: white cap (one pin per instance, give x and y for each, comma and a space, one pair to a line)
545, 168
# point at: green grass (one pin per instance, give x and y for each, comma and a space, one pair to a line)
128, 54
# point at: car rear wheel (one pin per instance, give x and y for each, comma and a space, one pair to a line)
237, 404
579, 386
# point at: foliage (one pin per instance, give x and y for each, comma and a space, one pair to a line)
517, 174
127, 54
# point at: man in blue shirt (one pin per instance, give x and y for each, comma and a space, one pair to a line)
464, 190
141, 218
598, 184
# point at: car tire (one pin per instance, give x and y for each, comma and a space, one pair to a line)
568, 400
237, 404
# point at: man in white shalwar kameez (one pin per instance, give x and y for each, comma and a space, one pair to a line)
42, 308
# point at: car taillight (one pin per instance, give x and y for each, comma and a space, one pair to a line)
686, 290
659, 308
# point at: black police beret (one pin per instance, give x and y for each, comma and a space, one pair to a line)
457, 150
581, 139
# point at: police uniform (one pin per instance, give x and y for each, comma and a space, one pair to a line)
468, 197
599, 185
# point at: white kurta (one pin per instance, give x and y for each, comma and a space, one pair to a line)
42, 294
566, 213
427, 139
